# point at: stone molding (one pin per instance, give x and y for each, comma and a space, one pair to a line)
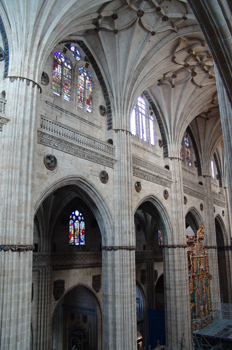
74, 149
219, 200
70, 114
6, 47
224, 247
139, 162
71, 134
54, 258
198, 192
118, 247
151, 177
3, 121
174, 246
17, 247
28, 81
148, 149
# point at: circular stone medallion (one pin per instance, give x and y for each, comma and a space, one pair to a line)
104, 177
50, 162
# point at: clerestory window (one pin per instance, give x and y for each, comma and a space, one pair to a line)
185, 151
63, 78
142, 121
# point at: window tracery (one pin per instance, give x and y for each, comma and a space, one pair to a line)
76, 228
142, 122
61, 77
84, 89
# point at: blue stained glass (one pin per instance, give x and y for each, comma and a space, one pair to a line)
76, 229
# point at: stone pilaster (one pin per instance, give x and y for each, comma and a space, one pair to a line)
177, 306
210, 239
18, 141
118, 258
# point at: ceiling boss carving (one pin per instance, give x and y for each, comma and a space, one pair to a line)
194, 62
155, 16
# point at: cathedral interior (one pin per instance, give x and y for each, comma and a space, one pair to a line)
116, 176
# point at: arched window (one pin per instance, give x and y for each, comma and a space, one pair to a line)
212, 169
76, 228
160, 239
75, 52
185, 151
142, 122
61, 77
84, 89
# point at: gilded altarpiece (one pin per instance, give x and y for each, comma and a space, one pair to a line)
199, 281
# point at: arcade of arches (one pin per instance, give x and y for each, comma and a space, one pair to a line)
115, 137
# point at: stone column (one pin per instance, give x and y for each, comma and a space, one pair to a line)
18, 141
118, 258
225, 108
210, 238
176, 285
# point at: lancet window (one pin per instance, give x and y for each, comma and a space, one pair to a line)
84, 89
61, 77
142, 121
185, 151
76, 228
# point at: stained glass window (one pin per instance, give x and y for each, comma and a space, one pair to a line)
76, 228
142, 118
142, 122
185, 151
75, 52
160, 239
84, 89
61, 78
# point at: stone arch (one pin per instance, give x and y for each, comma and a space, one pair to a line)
93, 198
219, 221
165, 222
193, 219
94, 298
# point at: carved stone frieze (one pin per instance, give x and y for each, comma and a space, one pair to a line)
118, 247
142, 174
66, 258
194, 193
219, 200
141, 163
18, 247
74, 149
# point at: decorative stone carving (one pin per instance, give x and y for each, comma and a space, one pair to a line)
185, 200
44, 79
104, 177
166, 194
74, 149
102, 110
160, 143
138, 186
28, 81
2, 54
17, 247
58, 289
96, 283
50, 161
143, 276
142, 174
